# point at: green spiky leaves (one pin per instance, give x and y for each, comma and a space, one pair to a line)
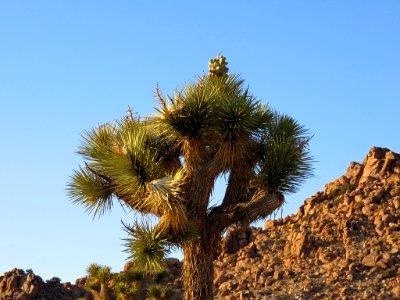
216, 116
121, 159
127, 284
147, 247
93, 192
99, 272
186, 116
157, 292
125, 291
98, 279
285, 161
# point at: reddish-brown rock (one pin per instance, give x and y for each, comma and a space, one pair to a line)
344, 243
20, 285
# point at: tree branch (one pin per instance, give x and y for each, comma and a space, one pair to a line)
259, 204
238, 183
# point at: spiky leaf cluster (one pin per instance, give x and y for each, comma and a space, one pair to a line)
285, 160
157, 292
147, 247
213, 118
99, 277
126, 284
125, 290
121, 158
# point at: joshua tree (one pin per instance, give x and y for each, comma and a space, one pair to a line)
167, 164
97, 282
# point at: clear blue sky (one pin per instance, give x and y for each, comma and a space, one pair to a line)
67, 66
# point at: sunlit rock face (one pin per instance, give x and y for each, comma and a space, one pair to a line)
18, 284
343, 243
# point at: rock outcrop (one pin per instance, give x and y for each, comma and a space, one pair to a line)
17, 284
20, 285
344, 242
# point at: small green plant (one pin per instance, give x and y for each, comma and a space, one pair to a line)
54, 280
156, 292
359, 204
161, 276
232, 258
168, 293
125, 291
278, 235
340, 191
389, 273
131, 275
280, 242
128, 284
296, 226
337, 200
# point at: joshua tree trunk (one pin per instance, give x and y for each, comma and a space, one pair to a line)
103, 294
198, 269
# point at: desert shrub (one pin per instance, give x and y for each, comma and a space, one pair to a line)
389, 273
296, 226
281, 242
232, 258
54, 280
168, 293
158, 292
125, 291
340, 191
161, 276
154, 292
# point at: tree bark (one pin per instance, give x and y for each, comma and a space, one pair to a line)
103, 294
198, 269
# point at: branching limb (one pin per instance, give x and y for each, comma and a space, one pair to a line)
238, 183
260, 204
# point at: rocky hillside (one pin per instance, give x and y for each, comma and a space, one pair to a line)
343, 243
18, 284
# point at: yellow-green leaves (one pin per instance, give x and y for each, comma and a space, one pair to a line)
285, 161
147, 247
